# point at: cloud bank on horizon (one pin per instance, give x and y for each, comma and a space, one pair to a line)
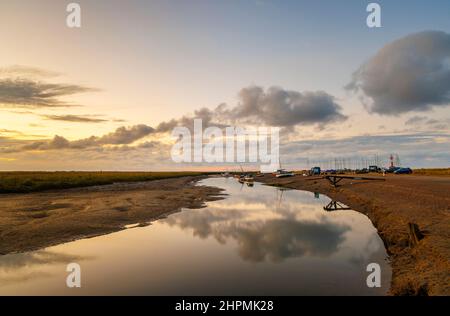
274, 107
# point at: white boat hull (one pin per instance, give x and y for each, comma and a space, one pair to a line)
284, 175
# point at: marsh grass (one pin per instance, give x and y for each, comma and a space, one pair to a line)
24, 182
432, 172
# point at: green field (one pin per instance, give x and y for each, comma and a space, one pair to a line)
24, 182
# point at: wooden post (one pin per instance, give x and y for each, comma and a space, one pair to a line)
415, 235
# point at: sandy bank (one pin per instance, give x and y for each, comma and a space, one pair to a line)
37, 220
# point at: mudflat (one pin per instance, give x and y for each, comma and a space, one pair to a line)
419, 268
36, 220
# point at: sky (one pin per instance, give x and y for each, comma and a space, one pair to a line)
101, 97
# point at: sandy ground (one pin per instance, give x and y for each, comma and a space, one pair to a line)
37, 220
423, 269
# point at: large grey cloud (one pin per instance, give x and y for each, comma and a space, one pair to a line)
409, 74
271, 107
280, 107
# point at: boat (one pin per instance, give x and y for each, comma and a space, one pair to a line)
281, 173
249, 178
285, 174
244, 177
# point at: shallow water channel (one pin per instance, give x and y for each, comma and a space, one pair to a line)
259, 240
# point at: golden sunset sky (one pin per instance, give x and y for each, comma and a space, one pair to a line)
313, 68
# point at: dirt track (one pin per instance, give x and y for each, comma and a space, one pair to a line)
37, 220
423, 269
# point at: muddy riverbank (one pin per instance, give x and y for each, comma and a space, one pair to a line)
36, 220
417, 269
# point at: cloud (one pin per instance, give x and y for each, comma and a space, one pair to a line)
416, 120
271, 240
24, 87
37, 258
89, 118
8, 133
121, 136
20, 70
425, 123
416, 150
272, 107
280, 239
279, 107
35, 94
19, 267
74, 118
409, 74
124, 135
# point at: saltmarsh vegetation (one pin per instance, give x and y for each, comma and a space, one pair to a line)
25, 182
433, 172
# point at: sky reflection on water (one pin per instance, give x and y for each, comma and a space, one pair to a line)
258, 241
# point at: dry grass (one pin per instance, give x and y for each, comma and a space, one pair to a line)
24, 182
432, 172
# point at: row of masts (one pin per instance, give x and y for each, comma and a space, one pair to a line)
354, 163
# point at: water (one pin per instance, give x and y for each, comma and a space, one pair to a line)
258, 241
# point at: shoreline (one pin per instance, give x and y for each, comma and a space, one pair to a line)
420, 269
32, 221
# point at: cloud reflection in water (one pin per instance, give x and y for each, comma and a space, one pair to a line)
265, 229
